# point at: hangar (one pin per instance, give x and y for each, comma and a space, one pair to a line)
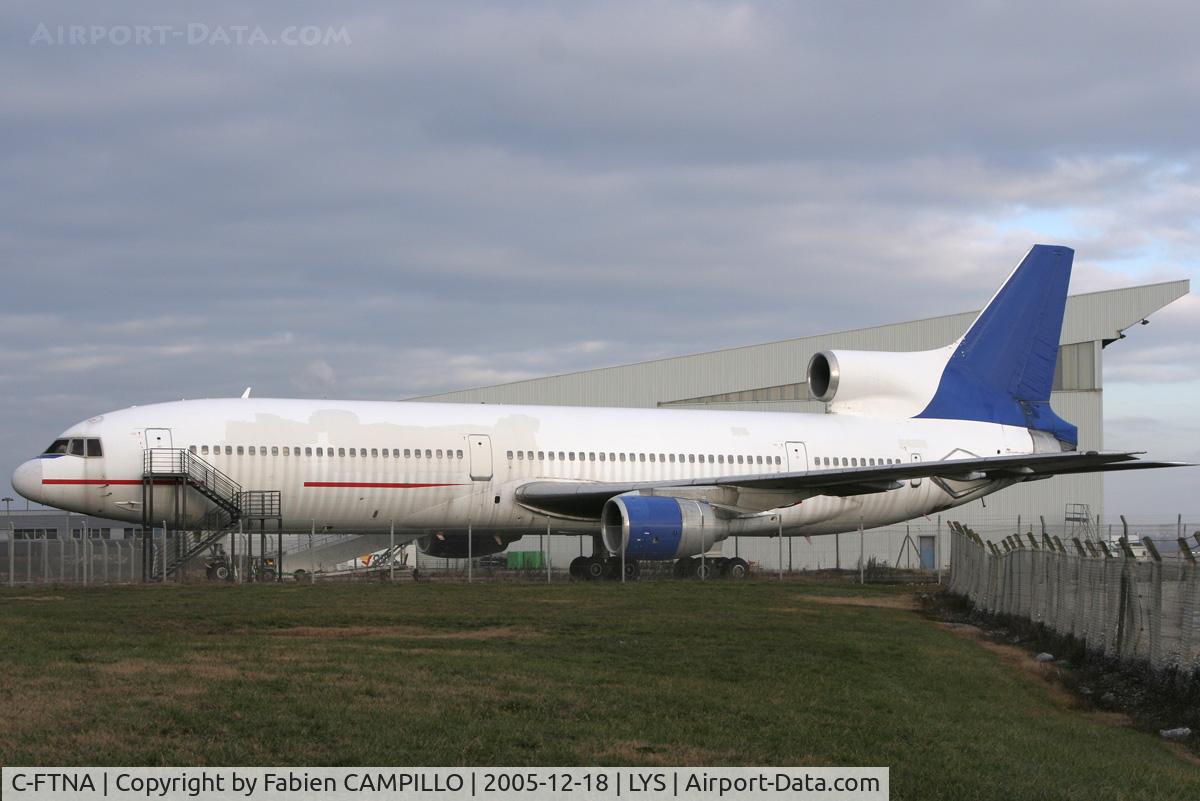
770, 377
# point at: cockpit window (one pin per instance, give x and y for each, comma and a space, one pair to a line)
76, 447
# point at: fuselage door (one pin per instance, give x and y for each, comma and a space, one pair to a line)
797, 456
479, 449
158, 438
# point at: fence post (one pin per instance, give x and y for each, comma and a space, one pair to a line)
1156, 603
937, 549
12, 547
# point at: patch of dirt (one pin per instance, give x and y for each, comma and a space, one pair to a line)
634, 752
1180, 750
905, 602
33, 598
129, 668
410, 632
1019, 658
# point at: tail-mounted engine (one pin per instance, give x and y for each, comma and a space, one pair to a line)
657, 527
878, 383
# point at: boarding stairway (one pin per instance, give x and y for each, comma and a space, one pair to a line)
230, 504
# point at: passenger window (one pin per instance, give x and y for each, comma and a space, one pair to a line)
428, 453
191, 448
612, 457
439, 454
229, 450
407, 453
417, 453
510, 456
552, 456
308, 451
778, 460
710, 458
672, 458
274, 450
240, 450
622, 457
204, 450
529, 456
541, 456
591, 456
561, 456
520, 456
740, 459
252, 452
641, 457
572, 455
341, 452
602, 456
721, 458
287, 451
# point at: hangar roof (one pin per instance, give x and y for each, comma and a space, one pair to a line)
1093, 316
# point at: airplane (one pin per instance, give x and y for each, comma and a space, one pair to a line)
907, 434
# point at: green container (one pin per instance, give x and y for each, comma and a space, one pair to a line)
524, 560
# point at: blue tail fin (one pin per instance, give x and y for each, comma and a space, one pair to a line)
1003, 367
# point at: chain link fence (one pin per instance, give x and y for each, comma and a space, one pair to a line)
1116, 603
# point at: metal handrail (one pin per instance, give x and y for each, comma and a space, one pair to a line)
198, 472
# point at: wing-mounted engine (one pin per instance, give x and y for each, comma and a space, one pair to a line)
660, 527
455, 546
876, 383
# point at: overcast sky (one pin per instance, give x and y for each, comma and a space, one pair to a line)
427, 198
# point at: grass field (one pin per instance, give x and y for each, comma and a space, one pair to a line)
668, 673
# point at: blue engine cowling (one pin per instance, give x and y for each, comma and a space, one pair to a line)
655, 527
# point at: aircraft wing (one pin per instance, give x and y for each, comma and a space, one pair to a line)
586, 499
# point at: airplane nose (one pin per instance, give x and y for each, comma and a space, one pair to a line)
27, 480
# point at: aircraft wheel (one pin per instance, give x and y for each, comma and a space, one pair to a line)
633, 569
594, 569
221, 573
737, 569
267, 575
704, 569
299, 575
579, 567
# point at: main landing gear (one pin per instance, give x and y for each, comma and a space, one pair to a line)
720, 567
596, 568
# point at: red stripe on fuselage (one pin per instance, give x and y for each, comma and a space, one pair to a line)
102, 481
373, 484
133, 482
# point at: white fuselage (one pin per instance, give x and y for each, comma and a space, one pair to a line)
430, 467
